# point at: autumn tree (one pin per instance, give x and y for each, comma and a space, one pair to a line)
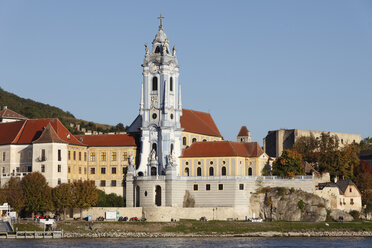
306, 146
62, 196
366, 144
363, 179
289, 164
13, 194
2, 196
37, 193
84, 195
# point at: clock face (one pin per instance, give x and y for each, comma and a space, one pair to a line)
154, 68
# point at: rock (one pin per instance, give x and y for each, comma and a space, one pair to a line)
336, 214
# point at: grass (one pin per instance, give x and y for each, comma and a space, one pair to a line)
28, 227
213, 227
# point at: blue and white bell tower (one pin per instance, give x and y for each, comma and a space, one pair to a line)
160, 108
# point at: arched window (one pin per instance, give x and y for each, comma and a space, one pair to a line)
154, 83
204, 140
157, 49
171, 84
211, 171
249, 171
184, 141
187, 171
223, 171
193, 140
153, 171
198, 172
171, 148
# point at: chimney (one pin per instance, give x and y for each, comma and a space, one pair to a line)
5, 107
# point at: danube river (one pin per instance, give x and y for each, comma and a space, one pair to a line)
194, 242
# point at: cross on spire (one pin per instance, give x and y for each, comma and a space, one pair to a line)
161, 22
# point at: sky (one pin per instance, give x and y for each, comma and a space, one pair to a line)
264, 64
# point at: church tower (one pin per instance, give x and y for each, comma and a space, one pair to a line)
160, 108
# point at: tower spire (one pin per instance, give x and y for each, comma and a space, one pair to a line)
161, 22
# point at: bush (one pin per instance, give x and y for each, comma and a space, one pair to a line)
301, 205
282, 191
355, 214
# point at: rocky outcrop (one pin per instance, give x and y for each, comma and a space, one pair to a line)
336, 214
288, 205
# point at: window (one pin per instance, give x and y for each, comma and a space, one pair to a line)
3, 169
250, 171
103, 156
198, 172
59, 155
350, 190
69, 155
241, 186
79, 156
43, 158
92, 156
154, 83
220, 186
184, 141
59, 181
125, 170
125, 156
113, 183
42, 168
154, 147
79, 170
207, 187
113, 170
113, 156
171, 84
59, 168
154, 116
223, 171
211, 171
85, 156
103, 170
196, 187
103, 183
211, 162
69, 169
187, 171
85, 171
74, 155
204, 140
92, 171
68, 181
193, 140
351, 201
4, 156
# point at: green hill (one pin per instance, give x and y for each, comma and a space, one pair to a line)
33, 109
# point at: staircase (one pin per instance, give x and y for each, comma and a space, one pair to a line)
5, 227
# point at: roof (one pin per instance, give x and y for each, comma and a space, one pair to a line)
341, 185
223, 149
107, 140
199, 122
10, 114
28, 131
243, 131
49, 135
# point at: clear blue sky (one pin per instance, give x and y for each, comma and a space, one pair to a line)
263, 64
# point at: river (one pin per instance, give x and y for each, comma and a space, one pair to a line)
192, 242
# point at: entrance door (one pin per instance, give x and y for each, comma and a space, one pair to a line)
158, 196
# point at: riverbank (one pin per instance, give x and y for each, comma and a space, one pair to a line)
189, 228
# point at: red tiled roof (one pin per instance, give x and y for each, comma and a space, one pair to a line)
28, 131
10, 131
107, 140
199, 122
243, 131
223, 149
49, 135
10, 114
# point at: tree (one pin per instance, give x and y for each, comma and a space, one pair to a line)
363, 179
289, 164
14, 194
62, 197
306, 146
84, 195
37, 193
110, 200
2, 196
366, 144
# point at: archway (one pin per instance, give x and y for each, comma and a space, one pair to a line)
250, 171
158, 196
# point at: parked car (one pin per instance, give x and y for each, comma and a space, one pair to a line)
203, 218
100, 218
121, 218
255, 220
133, 219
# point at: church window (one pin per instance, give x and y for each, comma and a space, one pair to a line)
250, 171
193, 140
184, 141
223, 171
154, 116
171, 148
171, 116
171, 84
199, 172
211, 171
187, 171
154, 83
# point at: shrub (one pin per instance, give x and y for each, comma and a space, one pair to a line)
282, 191
301, 205
355, 214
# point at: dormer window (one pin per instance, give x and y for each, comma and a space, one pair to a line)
154, 83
